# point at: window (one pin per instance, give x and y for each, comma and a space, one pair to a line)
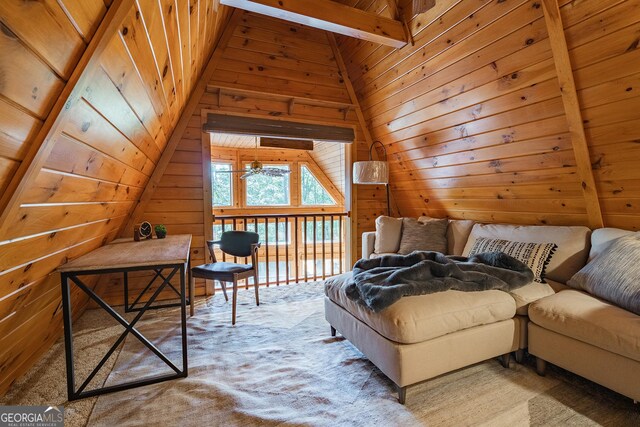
313, 193
222, 184
264, 190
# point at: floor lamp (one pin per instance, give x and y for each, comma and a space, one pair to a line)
373, 171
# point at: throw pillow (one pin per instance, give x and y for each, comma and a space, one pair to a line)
388, 233
535, 255
428, 236
613, 275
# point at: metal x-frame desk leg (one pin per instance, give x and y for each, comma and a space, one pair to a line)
74, 394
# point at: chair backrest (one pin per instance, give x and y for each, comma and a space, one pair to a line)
238, 243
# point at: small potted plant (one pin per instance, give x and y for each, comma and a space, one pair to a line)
161, 231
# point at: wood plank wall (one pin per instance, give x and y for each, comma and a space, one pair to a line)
108, 145
472, 116
270, 68
331, 159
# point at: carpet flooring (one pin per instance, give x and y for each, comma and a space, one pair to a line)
279, 366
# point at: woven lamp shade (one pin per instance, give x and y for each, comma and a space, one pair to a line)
371, 172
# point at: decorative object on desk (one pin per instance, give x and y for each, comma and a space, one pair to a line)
142, 231
161, 231
373, 171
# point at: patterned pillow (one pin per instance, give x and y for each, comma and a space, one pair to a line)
428, 236
613, 275
535, 255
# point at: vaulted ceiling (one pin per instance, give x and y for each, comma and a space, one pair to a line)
100, 105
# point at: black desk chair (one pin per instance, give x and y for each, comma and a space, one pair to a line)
234, 243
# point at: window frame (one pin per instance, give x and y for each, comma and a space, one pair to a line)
232, 184
305, 165
244, 185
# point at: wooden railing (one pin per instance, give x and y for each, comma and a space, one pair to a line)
295, 248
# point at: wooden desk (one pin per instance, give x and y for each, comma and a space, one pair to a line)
123, 256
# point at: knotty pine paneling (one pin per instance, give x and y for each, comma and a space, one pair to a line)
270, 68
104, 151
603, 44
472, 116
270, 55
331, 159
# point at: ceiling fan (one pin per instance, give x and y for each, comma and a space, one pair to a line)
256, 168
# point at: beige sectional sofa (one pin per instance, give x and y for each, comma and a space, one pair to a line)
587, 335
421, 337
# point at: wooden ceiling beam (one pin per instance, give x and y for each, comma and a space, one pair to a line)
330, 16
231, 90
42, 144
573, 113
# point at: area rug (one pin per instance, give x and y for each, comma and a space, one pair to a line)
279, 366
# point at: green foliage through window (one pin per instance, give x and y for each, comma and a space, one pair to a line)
222, 184
319, 237
313, 193
283, 233
263, 190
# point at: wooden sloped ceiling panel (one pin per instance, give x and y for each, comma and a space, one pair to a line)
472, 116
274, 56
330, 157
267, 64
605, 53
108, 142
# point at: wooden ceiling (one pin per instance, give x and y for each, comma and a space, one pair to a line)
477, 126
100, 106
90, 93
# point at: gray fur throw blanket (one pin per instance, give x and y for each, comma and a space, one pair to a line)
379, 282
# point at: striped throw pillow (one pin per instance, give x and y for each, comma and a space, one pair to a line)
535, 255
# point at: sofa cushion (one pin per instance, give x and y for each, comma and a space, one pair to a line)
375, 255
423, 236
570, 256
458, 234
420, 318
557, 286
614, 274
535, 255
529, 294
602, 238
388, 233
586, 318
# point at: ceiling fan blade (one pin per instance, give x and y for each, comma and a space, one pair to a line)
234, 171
275, 172
247, 175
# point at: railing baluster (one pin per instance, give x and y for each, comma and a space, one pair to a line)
286, 247
255, 230
266, 240
224, 258
331, 226
295, 237
315, 235
340, 270
277, 254
324, 255
304, 242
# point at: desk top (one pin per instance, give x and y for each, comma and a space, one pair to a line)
125, 253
